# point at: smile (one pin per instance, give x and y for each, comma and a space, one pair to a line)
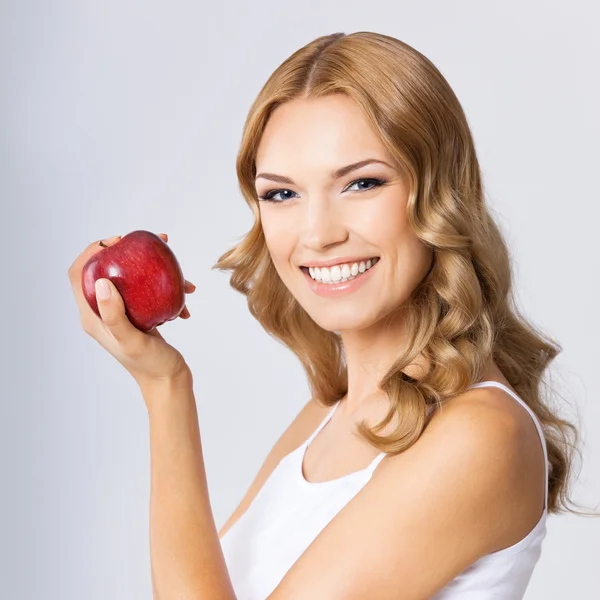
340, 279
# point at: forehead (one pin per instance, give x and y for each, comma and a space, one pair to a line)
328, 132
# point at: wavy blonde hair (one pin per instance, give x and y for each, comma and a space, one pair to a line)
463, 311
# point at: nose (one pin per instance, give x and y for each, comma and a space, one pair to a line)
322, 225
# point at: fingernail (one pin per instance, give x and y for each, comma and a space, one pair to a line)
102, 289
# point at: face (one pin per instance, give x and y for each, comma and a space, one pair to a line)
314, 216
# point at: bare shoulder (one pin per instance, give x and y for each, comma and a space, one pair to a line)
304, 423
472, 484
489, 421
494, 411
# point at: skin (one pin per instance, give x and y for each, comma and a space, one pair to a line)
425, 515
400, 531
321, 218
147, 356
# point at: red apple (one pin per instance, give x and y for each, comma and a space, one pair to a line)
145, 271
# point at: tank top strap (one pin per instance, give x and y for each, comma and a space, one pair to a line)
535, 421
322, 424
375, 462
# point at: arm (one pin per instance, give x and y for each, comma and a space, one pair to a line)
187, 561
470, 486
186, 557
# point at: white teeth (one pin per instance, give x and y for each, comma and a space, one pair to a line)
339, 273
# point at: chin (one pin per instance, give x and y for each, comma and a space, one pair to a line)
339, 321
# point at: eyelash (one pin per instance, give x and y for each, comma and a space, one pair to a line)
268, 196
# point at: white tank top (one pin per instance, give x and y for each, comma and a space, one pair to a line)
289, 512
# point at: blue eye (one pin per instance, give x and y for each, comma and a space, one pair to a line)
269, 196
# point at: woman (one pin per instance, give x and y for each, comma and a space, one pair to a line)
426, 462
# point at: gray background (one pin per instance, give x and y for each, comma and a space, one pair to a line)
126, 115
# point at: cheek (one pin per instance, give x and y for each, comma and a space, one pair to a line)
279, 242
387, 226
384, 222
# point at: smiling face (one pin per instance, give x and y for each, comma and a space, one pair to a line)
315, 217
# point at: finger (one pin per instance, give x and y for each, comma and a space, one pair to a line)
164, 236
185, 313
111, 241
112, 313
76, 268
189, 287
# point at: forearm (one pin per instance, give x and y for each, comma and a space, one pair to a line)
186, 557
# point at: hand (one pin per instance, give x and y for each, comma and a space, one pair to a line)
146, 356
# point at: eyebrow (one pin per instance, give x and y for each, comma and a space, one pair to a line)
335, 175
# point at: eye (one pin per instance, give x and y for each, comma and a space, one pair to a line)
269, 196
375, 182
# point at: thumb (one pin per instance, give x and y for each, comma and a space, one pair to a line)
112, 310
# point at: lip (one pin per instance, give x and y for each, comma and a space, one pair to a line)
329, 290
340, 260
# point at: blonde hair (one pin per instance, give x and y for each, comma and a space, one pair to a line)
463, 311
